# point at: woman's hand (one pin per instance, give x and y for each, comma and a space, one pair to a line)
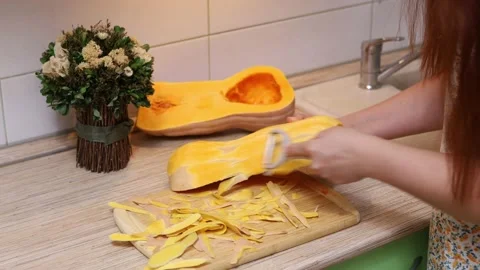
297, 116
338, 154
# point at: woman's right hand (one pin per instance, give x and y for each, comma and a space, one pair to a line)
297, 116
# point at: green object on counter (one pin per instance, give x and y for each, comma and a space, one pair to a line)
107, 134
397, 255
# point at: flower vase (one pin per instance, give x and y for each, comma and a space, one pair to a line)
103, 145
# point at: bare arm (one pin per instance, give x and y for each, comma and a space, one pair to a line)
424, 174
415, 110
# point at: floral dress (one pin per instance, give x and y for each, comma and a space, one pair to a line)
453, 244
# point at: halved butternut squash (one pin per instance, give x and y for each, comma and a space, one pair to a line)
251, 99
200, 163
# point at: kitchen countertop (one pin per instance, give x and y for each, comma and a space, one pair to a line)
55, 216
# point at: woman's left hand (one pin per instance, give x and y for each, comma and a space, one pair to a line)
340, 155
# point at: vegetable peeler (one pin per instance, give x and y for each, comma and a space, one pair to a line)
268, 162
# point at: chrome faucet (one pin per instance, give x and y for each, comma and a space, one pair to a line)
371, 72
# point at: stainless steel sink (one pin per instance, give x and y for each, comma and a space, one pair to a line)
343, 96
406, 77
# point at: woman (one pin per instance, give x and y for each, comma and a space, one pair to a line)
447, 99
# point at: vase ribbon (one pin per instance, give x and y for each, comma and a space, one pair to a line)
106, 135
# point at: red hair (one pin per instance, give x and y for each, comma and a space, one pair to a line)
451, 41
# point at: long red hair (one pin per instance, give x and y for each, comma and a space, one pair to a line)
451, 42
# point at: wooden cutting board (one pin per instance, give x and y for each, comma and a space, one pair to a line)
335, 214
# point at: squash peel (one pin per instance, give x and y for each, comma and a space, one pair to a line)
171, 252
182, 225
200, 221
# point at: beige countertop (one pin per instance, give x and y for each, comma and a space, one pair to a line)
55, 216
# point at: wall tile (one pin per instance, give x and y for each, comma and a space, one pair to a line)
26, 112
178, 62
3, 139
27, 26
183, 61
232, 14
295, 45
150, 21
388, 21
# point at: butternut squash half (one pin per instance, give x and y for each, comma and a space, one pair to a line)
202, 162
251, 99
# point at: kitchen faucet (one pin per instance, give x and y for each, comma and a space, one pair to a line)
371, 72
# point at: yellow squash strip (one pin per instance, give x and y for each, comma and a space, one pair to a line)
282, 209
275, 190
199, 227
159, 204
180, 198
131, 209
206, 242
228, 184
120, 237
199, 220
224, 238
309, 214
240, 247
219, 206
155, 228
182, 225
235, 228
171, 252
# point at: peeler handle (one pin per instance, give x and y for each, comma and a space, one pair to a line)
270, 145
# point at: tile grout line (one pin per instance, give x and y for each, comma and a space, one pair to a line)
371, 18
209, 34
4, 118
294, 17
209, 62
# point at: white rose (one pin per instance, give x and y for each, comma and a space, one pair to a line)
59, 51
137, 50
128, 71
146, 57
108, 62
47, 68
56, 67
60, 66
83, 66
102, 35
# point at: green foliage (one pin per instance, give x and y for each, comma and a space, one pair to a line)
90, 83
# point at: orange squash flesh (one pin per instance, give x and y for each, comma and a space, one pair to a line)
202, 162
251, 99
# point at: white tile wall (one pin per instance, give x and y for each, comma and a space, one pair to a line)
389, 20
231, 14
26, 112
183, 61
27, 27
191, 40
294, 45
3, 135
151, 21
